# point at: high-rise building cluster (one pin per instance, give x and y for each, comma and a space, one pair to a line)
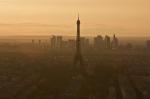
106, 42
58, 42
98, 43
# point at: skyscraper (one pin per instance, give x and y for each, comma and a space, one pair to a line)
53, 42
115, 42
56, 42
59, 42
107, 42
98, 42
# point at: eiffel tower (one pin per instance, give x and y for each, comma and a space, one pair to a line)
78, 59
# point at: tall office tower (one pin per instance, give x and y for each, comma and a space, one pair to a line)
115, 42
59, 42
40, 41
33, 41
98, 42
53, 42
78, 59
107, 42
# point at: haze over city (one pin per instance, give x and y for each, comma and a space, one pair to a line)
48, 17
74, 49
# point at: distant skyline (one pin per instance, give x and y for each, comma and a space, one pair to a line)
48, 17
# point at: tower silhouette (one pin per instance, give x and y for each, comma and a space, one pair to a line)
78, 59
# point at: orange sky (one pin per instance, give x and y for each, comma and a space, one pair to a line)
42, 17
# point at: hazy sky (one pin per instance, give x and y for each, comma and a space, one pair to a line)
42, 17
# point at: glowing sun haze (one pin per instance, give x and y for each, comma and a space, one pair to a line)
46, 17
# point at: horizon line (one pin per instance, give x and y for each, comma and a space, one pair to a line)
70, 35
